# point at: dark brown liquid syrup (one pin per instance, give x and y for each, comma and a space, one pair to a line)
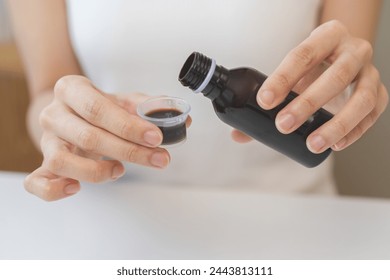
171, 134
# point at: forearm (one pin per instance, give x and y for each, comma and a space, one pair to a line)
35, 108
43, 41
359, 16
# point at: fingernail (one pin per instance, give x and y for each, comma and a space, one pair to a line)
316, 143
266, 98
285, 122
159, 160
117, 171
153, 138
71, 189
340, 145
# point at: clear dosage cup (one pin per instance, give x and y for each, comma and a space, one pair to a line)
169, 114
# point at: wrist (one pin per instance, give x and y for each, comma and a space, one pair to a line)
32, 118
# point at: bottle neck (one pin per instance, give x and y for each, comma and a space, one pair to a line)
217, 83
201, 74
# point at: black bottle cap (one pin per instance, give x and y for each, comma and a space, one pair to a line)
195, 70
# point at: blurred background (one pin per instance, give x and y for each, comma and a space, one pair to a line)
361, 170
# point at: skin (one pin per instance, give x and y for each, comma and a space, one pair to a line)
76, 130
344, 41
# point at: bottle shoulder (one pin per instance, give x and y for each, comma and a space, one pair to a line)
243, 84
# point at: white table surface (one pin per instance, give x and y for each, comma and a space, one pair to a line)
124, 221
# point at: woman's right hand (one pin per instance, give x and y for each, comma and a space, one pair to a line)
80, 126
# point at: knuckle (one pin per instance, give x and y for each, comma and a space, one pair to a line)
282, 80
341, 127
336, 26
126, 130
358, 131
341, 77
47, 192
309, 104
42, 187
28, 183
304, 55
367, 99
45, 118
93, 110
46, 143
132, 154
376, 76
366, 48
44, 191
88, 140
55, 162
98, 173
372, 117
63, 84
42, 143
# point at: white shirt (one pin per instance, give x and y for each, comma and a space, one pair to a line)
140, 45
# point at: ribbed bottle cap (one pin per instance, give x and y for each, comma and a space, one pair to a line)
197, 71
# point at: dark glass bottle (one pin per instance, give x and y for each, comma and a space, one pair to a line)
233, 94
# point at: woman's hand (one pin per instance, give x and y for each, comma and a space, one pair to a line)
82, 125
349, 60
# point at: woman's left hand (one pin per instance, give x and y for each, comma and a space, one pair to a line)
349, 59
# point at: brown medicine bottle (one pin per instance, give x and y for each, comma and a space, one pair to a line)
233, 95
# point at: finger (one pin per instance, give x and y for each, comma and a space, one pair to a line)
97, 141
240, 137
361, 103
298, 62
50, 187
310, 77
91, 105
333, 81
60, 161
188, 121
366, 123
129, 102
